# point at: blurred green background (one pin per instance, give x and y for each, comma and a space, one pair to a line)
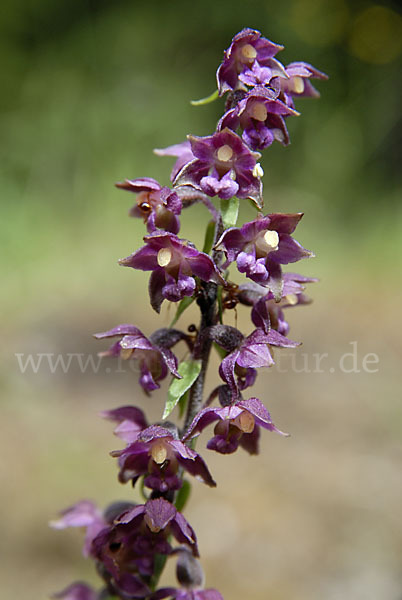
89, 88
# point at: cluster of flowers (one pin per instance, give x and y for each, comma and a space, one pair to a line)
130, 542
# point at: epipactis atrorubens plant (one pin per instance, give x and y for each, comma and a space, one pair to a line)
131, 542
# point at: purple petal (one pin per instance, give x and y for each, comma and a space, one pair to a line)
204, 418
81, 514
146, 380
132, 586
144, 259
127, 431
299, 278
125, 329
275, 280
143, 184
209, 594
77, 591
184, 533
192, 173
203, 267
226, 371
284, 223
224, 188
131, 516
126, 413
202, 147
260, 315
131, 421
155, 288
233, 241
289, 250
255, 355
176, 290
276, 339
224, 444
137, 341
170, 361
259, 411
192, 462
258, 138
183, 153
159, 513
256, 408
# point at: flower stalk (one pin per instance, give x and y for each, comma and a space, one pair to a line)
130, 542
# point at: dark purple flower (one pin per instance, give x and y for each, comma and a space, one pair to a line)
174, 263
83, 514
266, 312
298, 83
154, 360
224, 166
238, 424
190, 576
131, 420
157, 205
183, 153
252, 352
77, 591
266, 76
247, 47
130, 544
261, 246
158, 454
261, 116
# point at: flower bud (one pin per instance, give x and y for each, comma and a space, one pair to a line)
189, 572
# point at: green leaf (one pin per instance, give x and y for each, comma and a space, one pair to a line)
222, 353
209, 237
183, 404
183, 495
189, 370
183, 305
206, 100
159, 565
230, 211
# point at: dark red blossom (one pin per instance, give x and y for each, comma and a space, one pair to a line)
261, 117
157, 453
238, 424
247, 48
224, 166
261, 246
174, 264
155, 360
157, 205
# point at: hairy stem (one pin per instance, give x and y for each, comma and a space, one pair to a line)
207, 301
207, 304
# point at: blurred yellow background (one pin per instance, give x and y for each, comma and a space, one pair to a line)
89, 89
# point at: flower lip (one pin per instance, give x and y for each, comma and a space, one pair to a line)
247, 48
